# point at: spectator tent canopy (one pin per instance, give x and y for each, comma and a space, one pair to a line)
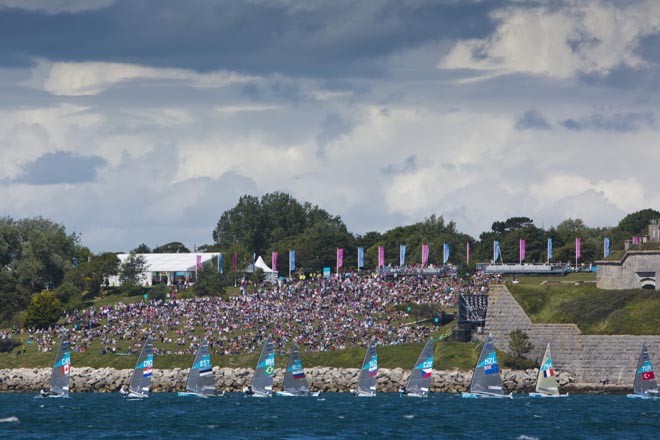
168, 268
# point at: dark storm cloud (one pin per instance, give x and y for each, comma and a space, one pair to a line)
61, 167
532, 120
621, 122
320, 39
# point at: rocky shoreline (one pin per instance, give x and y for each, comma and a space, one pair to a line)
105, 380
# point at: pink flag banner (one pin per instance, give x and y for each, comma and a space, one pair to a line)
274, 260
577, 248
381, 256
425, 254
635, 239
467, 252
522, 250
340, 258
199, 262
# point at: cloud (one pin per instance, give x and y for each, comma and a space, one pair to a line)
56, 6
91, 78
623, 122
532, 120
560, 42
61, 167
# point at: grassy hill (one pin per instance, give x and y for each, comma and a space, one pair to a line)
576, 299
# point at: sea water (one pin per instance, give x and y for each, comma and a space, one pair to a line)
331, 416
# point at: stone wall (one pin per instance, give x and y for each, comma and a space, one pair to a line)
635, 270
233, 379
591, 359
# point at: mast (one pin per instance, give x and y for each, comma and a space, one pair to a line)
420, 377
59, 379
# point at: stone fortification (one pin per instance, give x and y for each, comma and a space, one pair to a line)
637, 269
233, 379
591, 359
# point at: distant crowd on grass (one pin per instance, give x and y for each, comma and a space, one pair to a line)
318, 314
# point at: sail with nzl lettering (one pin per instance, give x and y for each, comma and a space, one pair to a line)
141, 379
368, 380
420, 377
486, 379
201, 382
546, 383
645, 386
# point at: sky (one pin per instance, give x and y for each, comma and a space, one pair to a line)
143, 121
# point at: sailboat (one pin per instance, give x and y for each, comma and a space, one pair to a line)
486, 380
141, 379
59, 379
546, 384
645, 386
295, 382
262, 380
368, 379
201, 382
420, 377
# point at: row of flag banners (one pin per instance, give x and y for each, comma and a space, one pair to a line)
497, 255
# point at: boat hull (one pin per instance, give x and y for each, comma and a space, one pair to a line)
640, 396
416, 395
541, 395
467, 395
288, 394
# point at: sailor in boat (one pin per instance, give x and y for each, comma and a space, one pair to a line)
43, 393
247, 390
123, 391
403, 391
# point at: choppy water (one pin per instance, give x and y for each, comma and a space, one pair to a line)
332, 416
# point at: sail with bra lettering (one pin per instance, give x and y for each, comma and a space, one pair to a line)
262, 380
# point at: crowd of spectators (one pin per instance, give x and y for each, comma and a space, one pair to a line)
318, 314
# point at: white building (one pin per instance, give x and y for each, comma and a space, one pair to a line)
168, 269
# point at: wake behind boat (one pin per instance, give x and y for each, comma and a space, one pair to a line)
368, 380
59, 379
262, 380
295, 382
201, 382
645, 386
486, 380
141, 378
420, 377
546, 383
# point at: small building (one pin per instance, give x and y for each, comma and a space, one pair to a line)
636, 270
169, 269
654, 231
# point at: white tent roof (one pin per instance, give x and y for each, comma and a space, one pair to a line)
172, 262
261, 264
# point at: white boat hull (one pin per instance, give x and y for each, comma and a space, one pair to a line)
468, 395
541, 395
640, 396
288, 394
417, 395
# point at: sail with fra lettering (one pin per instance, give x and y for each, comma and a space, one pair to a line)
368, 380
141, 379
59, 379
546, 383
420, 377
262, 380
486, 379
201, 382
645, 386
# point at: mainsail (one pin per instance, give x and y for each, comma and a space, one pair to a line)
645, 383
59, 379
547, 381
486, 378
200, 377
295, 381
262, 380
369, 372
141, 379
420, 377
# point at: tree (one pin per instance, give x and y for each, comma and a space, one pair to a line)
209, 282
174, 247
44, 310
97, 270
141, 249
131, 270
519, 346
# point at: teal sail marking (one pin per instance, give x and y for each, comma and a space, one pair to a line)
141, 379
262, 380
59, 379
200, 378
368, 380
645, 385
295, 382
420, 377
486, 380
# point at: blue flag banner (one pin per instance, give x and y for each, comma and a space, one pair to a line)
360, 257
292, 260
445, 253
402, 255
496, 251
606, 247
219, 263
549, 249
